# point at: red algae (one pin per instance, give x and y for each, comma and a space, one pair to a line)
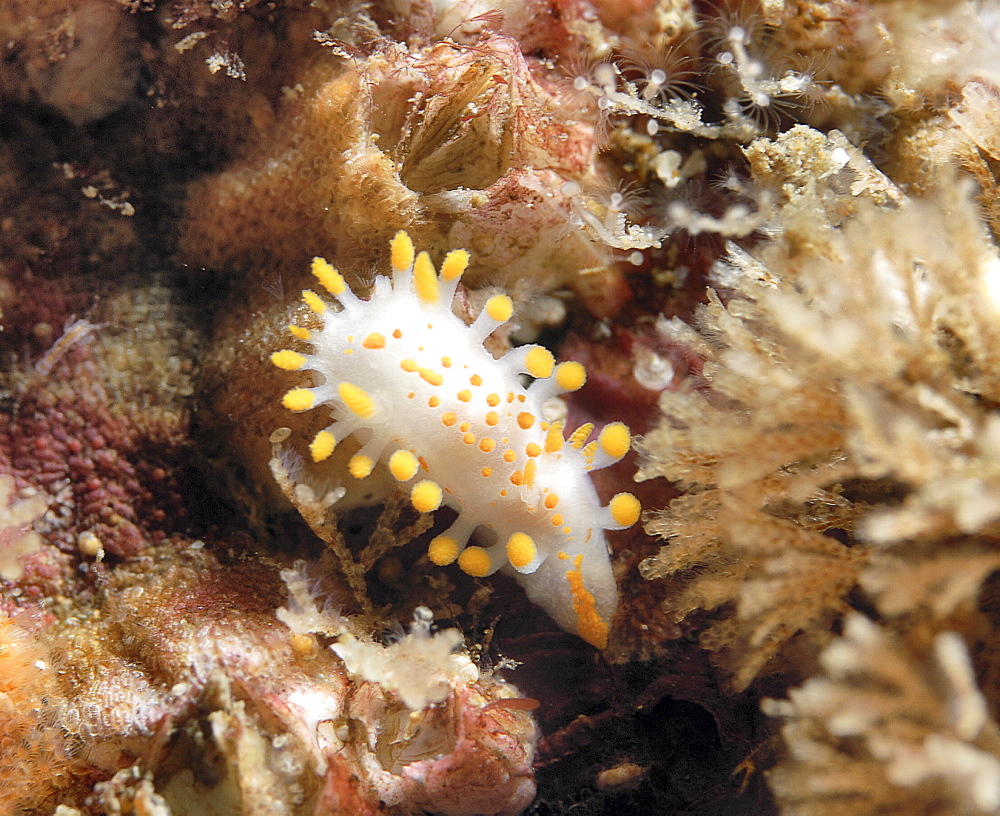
66, 439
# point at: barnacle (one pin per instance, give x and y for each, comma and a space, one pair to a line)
448, 141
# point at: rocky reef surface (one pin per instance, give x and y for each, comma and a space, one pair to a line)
767, 228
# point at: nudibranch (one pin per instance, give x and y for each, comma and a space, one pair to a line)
457, 427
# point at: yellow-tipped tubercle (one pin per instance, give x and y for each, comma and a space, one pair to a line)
454, 265
402, 251
615, 439
625, 509
474, 561
571, 375
426, 496
500, 308
403, 465
443, 550
425, 279
288, 360
521, 550
539, 362
299, 399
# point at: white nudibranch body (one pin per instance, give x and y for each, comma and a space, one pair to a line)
456, 427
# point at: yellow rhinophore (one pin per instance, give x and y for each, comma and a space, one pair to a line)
357, 400
328, 277
322, 446
314, 301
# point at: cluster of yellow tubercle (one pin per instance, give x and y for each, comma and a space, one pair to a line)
403, 370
